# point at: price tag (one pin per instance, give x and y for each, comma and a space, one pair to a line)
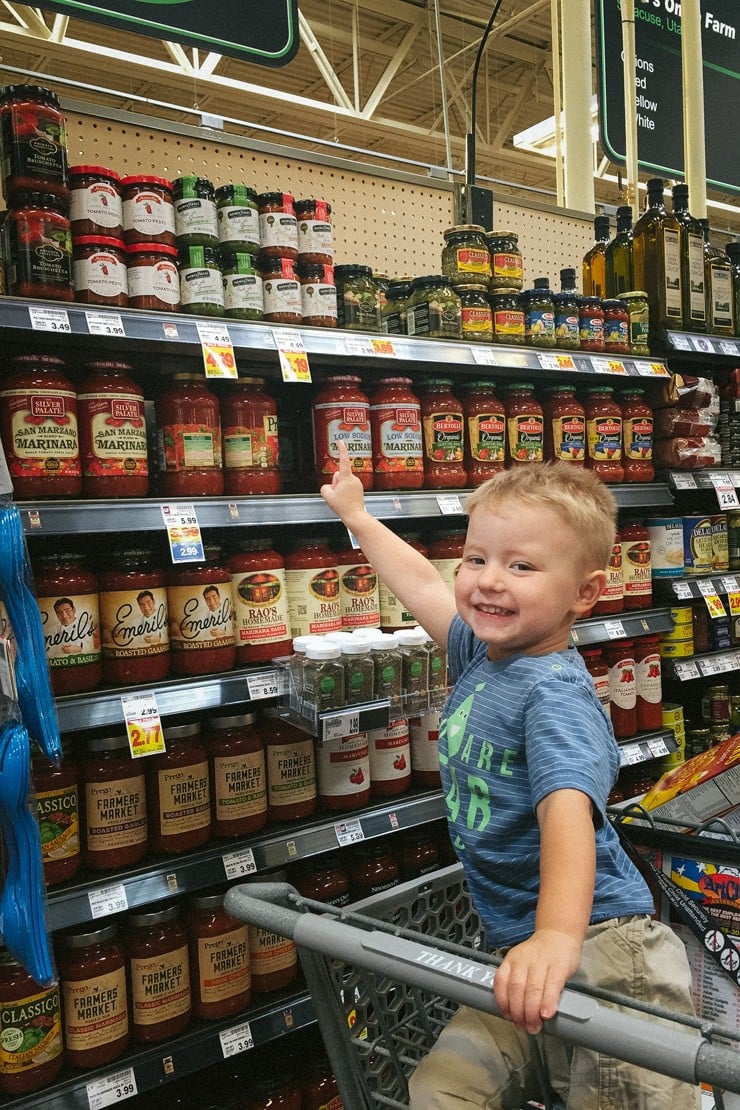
653, 369
265, 685
237, 1039
183, 533
449, 504
383, 347
658, 747
704, 346
679, 342
633, 754
116, 1087
107, 900
733, 595
734, 476
614, 630
484, 356
727, 347
349, 832
708, 591
686, 671
555, 362
358, 345
726, 495
217, 350
683, 590
341, 724
144, 728
684, 481
293, 358
49, 319
105, 323
600, 365
238, 864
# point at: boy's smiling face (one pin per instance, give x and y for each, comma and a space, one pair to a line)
522, 581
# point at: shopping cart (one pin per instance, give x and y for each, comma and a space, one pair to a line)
387, 974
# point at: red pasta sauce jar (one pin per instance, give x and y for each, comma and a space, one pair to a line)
341, 413
262, 617
92, 971
444, 435
221, 980
115, 817
249, 424
178, 791
189, 439
159, 974
113, 442
67, 597
133, 619
200, 604
33, 1013
236, 754
398, 445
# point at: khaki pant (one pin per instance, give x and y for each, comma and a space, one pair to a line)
485, 1062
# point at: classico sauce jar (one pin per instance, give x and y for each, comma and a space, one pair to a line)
395, 418
465, 257
31, 1051
57, 800
444, 435
507, 311
476, 315
113, 444
507, 270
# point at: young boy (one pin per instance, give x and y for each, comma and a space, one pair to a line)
527, 758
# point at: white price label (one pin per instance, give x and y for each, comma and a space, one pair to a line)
679, 342
108, 323
658, 747
349, 832
107, 900
684, 481
358, 345
726, 495
734, 476
449, 504
652, 369
116, 1087
214, 333
633, 754
341, 724
685, 671
49, 319
730, 584
262, 686
483, 356
614, 630
548, 362
183, 533
237, 1039
704, 346
727, 347
682, 590
238, 864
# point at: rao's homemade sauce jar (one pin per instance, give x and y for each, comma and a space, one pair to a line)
261, 611
133, 619
312, 581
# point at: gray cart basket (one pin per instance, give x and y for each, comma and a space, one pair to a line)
386, 975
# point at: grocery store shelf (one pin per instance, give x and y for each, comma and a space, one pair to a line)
686, 480
676, 343
598, 630
702, 666
643, 748
93, 898
694, 589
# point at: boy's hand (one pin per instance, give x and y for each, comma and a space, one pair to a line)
345, 495
528, 984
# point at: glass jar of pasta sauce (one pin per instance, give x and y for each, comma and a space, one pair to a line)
525, 425
612, 596
133, 619
323, 879
373, 868
99, 274
221, 980
95, 206
598, 668
38, 257
465, 257
115, 820
278, 226
649, 685
38, 423
567, 321
395, 421
424, 740
341, 412
148, 210
636, 564
236, 752
159, 974
201, 280
619, 656
178, 791
476, 318
312, 581
318, 294
274, 1094
189, 439
390, 759
343, 772
358, 591
92, 973
443, 427
604, 434
565, 427
57, 799
445, 554
281, 290
112, 425
272, 958
591, 323
315, 237
417, 854
637, 428
616, 327
291, 769
31, 1024
153, 278
67, 597
261, 611
200, 603
485, 442
249, 425
507, 310
33, 142
237, 216
320, 1090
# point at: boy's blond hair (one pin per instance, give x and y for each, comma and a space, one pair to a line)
578, 497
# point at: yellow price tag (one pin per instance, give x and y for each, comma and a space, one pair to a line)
660, 370
143, 724
714, 605
383, 347
616, 366
294, 366
219, 361
734, 600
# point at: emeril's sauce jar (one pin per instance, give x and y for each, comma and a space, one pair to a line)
201, 612
67, 597
113, 443
178, 792
133, 619
92, 972
159, 974
115, 821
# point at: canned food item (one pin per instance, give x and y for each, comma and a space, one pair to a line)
677, 633
676, 649
715, 704
681, 614
697, 544
719, 634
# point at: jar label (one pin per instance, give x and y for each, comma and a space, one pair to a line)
103, 273
720, 544
638, 437
196, 216
99, 203
360, 309
605, 438
335, 423
201, 285
358, 596
184, 801
343, 766
43, 436
539, 324
134, 622
601, 688
261, 606
315, 237
448, 570
616, 334
252, 448
649, 686
30, 1032
526, 437
622, 684
487, 436
291, 773
697, 545
243, 291
39, 252
117, 435
149, 214
223, 965
158, 279
269, 952
509, 267
277, 229
115, 814
569, 438
476, 321
443, 436
399, 439
720, 292
567, 328
281, 296
591, 329
435, 318
201, 617
636, 568
160, 987
392, 612
71, 627
58, 816
473, 261
509, 322
34, 142
697, 294
614, 587
189, 447
239, 786
672, 262
95, 1011
424, 739
318, 299
389, 751
237, 224
313, 601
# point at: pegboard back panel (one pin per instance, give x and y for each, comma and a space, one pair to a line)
395, 226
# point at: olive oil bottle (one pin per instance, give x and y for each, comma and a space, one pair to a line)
692, 262
594, 264
656, 250
718, 282
733, 253
618, 256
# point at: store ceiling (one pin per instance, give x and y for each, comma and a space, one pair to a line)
366, 76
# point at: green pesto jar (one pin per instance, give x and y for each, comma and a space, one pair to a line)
358, 301
507, 268
195, 212
394, 310
508, 317
465, 257
242, 283
477, 317
433, 308
566, 321
238, 219
201, 283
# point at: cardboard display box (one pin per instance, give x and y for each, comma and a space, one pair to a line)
706, 786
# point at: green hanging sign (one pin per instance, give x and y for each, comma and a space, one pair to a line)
262, 31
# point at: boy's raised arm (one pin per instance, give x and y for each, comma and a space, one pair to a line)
406, 572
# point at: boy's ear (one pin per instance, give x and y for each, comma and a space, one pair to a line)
590, 590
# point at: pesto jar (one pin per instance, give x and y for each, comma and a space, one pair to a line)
507, 269
476, 317
508, 317
358, 301
238, 219
201, 283
394, 309
638, 311
433, 308
539, 317
567, 321
242, 284
465, 257
195, 212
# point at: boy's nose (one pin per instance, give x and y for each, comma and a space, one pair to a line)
490, 578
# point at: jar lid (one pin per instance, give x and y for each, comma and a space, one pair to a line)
154, 916
479, 383
435, 382
619, 645
274, 198
206, 901
354, 646
243, 379
410, 637
519, 385
541, 283
101, 240
383, 641
342, 378
107, 743
461, 229
182, 731
399, 288
92, 171
599, 389
255, 543
300, 643
395, 381
633, 294
352, 269
565, 298
322, 651
146, 179
507, 292
152, 248
46, 362
197, 254
502, 235
337, 637
311, 269
129, 557
308, 202
110, 366
31, 92
60, 556
78, 939
236, 191
589, 300
629, 389
479, 289
190, 185
237, 720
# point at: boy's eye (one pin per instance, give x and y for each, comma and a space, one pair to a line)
521, 566
476, 560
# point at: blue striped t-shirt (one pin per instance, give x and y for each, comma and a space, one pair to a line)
511, 733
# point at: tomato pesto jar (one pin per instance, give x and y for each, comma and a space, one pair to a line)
39, 247
92, 972
115, 819
341, 412
112, 432
159, 974
95, 206
278, 226
148, 211
133, 618
38, 419
249, 424
398, 445
33, 142
178, 792
189, 439
153, 278
99, 272
30, 1030
261, 612
67, 597
444, 435
201, 612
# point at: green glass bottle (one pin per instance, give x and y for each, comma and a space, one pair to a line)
656, 250
692, 262
594, 264
620, 276
733, 253
718, 283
